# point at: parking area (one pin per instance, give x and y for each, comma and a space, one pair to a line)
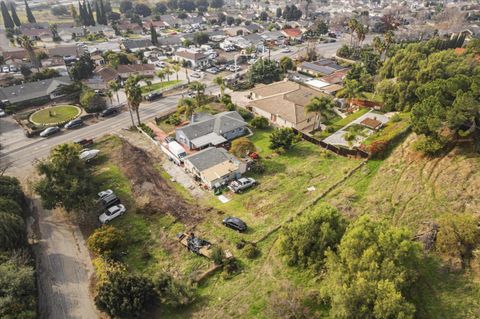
356, 137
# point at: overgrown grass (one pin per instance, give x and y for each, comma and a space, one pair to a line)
390, 130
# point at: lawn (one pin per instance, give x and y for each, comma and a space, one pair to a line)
398, 124
332, 128
55, 114
282, 189
158, 86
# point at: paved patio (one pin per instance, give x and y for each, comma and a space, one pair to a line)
337, 138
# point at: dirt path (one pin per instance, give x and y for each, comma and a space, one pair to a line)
63, 267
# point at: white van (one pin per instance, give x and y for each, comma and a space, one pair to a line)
177, 150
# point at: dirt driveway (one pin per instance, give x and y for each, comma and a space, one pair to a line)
63, 267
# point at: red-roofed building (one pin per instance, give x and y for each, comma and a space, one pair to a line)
293, 33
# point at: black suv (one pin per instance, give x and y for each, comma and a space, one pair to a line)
74, 124
110, 200
109, 112
235, 223
153, 96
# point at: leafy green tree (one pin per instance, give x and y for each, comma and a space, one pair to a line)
65, 181
282, 139
216, 4
187, 106
160, 8
10, 206
263, 16
126, 6
286, 63
83, 68
200, 38
18, 294
278, 13
322, 27
10, 189
12, 231
15, 17
92, 102
242, 146
320, 106
458, 236
28, 45
305, 241
173, 292
260, 122
125, 295
115, 87
30, 17
199, 89
7, 19
264, 71
143, 10
372, 274
106, 241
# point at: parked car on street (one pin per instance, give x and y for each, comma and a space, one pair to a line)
109, 112
235, 224
112, 213
74, 124
2, 113
286, 50
213, 70
241, 184
196, 75
5, 69
50, 131
153, 96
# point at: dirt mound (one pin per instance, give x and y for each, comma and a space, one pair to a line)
152, 192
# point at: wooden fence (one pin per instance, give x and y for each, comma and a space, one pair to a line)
337, 150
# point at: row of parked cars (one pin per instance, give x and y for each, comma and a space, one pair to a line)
9, 69
76, 123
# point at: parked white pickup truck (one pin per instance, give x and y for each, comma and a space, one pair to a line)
241, 184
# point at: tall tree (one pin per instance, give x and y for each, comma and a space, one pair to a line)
75, 16
115, 87
98, 14
15, 18
104, 13
319, 106
30, 17
7, 19
27, 44
188, 105
221, 83
153, 34
91, 19
134, 95
199, 89
82, 16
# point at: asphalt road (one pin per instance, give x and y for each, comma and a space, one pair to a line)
23, 153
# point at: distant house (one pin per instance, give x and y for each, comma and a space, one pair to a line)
194, 58
125, 70
320, 68
211, 130
283, 104
66, 50
137, 44
214, 166
292, 33
44, 35
101, 76
34, 93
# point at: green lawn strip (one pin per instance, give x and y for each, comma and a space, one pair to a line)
56, 114
340, 123
158, 86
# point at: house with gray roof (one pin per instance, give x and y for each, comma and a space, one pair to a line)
34, 93
207, 130
214, 166
320, 68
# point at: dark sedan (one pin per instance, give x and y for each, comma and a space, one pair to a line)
235, 223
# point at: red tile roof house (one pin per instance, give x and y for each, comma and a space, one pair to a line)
293, 33
125, 70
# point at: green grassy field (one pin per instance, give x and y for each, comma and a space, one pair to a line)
56, 114
158, 86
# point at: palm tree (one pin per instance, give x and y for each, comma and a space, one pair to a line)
185, 65
27, 44
115, 87
351, 89
161, 75
361, 33
176, 68
134, 96
168, 71
199, 88
319, 105
189, 106
352, 25
221, 83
